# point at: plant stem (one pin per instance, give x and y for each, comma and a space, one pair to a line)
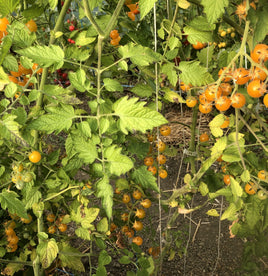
62, 192
192, 147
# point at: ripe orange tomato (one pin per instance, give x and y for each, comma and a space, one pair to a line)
114, 34
162, 173
113, 226
131, 15
137, 240
238, 100
129, 233
152, 169
35, 66
227, 179
115, 41
161, 159
227, 74
205, 108
124, 229
203, 99
137, 225
35, 156
250, 188
185, 87
148, 161
203, 137
161, 146
146, 203
3, 24
9, 231
262, 174
12, 247
124, 217
223, 103
150, 137
265, 100
165, 130
226, 88
256, 88
257, 73
13, 79
50, 217
126, 198
241, 76
226, 123
62, 227
260, 53
213, 92
13, 239
31, 25
191, 101
140, 213
27, 221
199, 45
137, 194
52, 229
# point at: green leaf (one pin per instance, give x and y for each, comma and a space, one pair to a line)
172, 96
142, 90
82, 39
9, 200
121, 184
68, 258
60, 118
214, 9
212, 212
78, 79
10, 90
112, 85
261, 28
203, 189
102, 225
125, 260
201, 23
176, 29
85, 148
91, 214
139, 55
230, 212
102, 21
7, 43
8, 6
32, 12
144, 178
45, 56
236, 188
183, 4
53, 4
205, 55
194, 35
134, 116
104, 258
83, 233
169, 70
145, 7
32, 196
253, 213
105, 192
192, 72
118, 164
245, 176
224, 191
173, 43
47, 250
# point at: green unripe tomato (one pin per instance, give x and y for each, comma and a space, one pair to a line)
262, 195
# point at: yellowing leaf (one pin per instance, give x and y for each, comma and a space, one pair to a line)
212, 212
184, 4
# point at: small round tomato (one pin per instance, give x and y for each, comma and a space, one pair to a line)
161, 159
223, 103
27, 221
241, 76
3, 24
256, 88
161, 146
10, 231
148, 161
31, 25
113, 226
124, 228
124, 217
250, 188
146, 203
13, 239
126, 198
129, 233
131, 15
140, 213
227, 74
185, 87
226, 122
138, 240
137, 194
52, 229
204, 137
165, 130
227, 179
152, 169
262, 195
199, 45
162, 173
12, 247
35, 156
203, 99
205, 108
257, 73
226, 88
265, 100
114, 34
191, 101
213, 92
137, 225
115, 41
262, 174
151, 137
238, 100
260, 53
62, 227
27, 177
50, 217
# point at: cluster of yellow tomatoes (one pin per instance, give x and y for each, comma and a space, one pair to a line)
155, 165
222, 95
56, 223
